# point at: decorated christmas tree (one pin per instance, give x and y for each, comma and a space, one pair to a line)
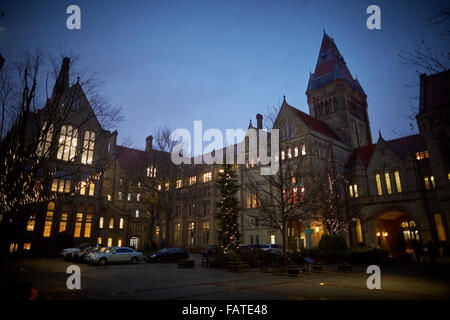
229, 237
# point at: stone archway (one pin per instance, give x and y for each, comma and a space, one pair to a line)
395, 232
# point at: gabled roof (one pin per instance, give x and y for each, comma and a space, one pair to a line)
363, 153
402, 146
131, 159
410, 144
313, 123
331, 66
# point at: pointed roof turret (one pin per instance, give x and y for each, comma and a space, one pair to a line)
331, 66
62, 82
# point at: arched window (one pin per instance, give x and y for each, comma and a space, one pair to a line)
45, 141
49, 219
387, 177
78, 223
397, 181
88, 147
67, 143
379, 189
63, 219
88, 222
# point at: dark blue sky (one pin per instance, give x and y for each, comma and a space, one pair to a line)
173, 62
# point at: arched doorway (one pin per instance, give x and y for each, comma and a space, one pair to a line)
396, 232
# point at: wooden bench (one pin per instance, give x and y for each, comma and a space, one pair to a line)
294, 270
314, 266
186, 264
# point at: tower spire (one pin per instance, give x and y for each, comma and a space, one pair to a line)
62, 82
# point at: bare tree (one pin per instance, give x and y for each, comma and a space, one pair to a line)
30, 151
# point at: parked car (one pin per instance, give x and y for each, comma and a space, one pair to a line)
275, 249
89, 257
116, 255
167, 254
80, 254
67, 253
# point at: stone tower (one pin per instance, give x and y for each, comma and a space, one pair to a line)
336, 98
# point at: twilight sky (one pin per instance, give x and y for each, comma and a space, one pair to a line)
173, 62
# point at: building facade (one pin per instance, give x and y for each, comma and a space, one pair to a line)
401, 187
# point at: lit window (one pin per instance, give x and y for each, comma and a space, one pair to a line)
254, 200
157, 231
91, 189
67, 143
111, 223
207, 176
355, 190
99, 240
249, 201
388, 182
192, 180
398, 182
289, 153
351, 191
427, 183
296, 152
272, 239
432, 182
108, 197
178, 184
109, 242
27, 246
88, 223
151, 171
45, 140
359, 230
138, 197
380, 191
282, 154
63, 219
137, 213
13, 247
119, 195
78, 223
440, 227
31, 222
49, 219
129, 196
119, 242
121, 223
88, 147
101, 222
303, 150
61, 185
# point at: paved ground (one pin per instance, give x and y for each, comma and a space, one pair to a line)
166, 281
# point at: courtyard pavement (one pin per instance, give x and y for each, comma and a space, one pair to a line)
165, 281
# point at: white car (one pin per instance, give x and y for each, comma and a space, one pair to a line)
67, 253
116, 255
275, 249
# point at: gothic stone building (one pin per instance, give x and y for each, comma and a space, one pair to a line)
76, 149
401, 186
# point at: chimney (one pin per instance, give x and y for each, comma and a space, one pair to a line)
423, 92
259, 121
62, 82
149, 143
